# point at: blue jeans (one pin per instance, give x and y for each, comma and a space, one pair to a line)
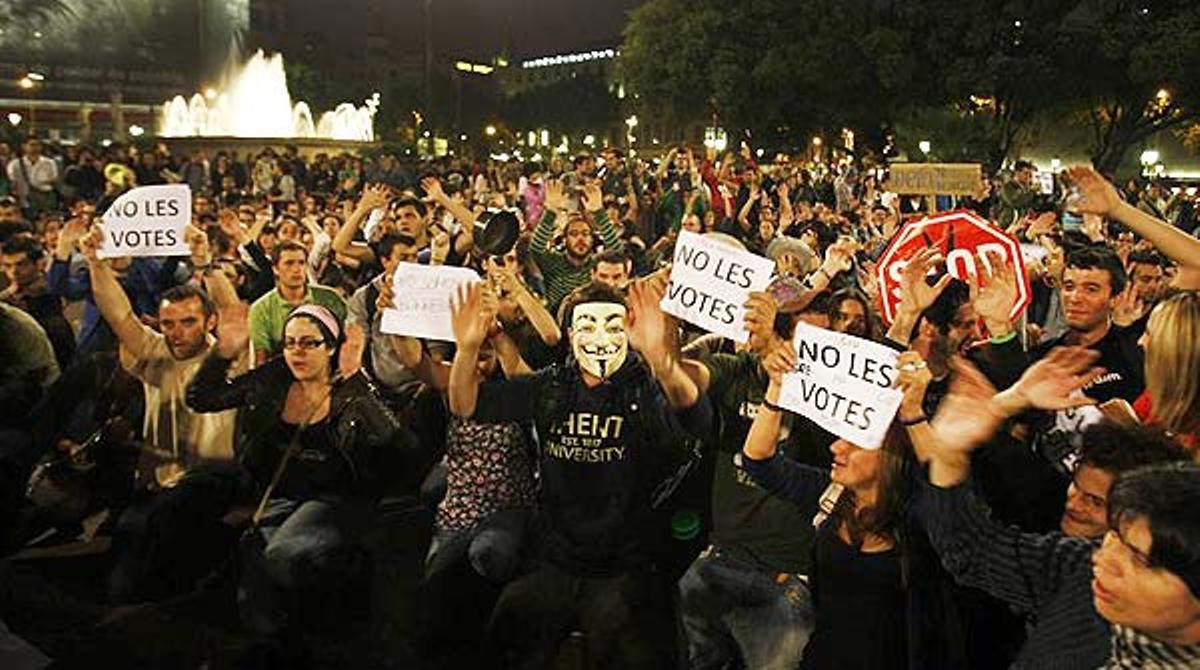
493, 546
306, 558
734, 611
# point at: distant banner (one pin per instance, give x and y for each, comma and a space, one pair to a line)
148, 221
710, 281
843, 384
935, 178
422, 303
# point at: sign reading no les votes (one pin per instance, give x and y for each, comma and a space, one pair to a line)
710, 281
843, 384
148, 221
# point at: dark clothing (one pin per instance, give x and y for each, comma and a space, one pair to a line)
748, 521
868, 603
359, 428
47, 310
597, 458
317, 468
537, 610
1046, 576
923, 623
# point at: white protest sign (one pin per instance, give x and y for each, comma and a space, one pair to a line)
421, 307
843, 384
710, 281
148, 221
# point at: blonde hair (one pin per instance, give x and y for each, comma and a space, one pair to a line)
1173, 363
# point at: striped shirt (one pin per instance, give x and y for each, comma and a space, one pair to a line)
558, 271
1046, 576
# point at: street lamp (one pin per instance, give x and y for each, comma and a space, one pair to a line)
14, 118
924, 146
816, 141
136, 130
1150, 157
490, 131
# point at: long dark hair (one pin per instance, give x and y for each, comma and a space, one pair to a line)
886, 517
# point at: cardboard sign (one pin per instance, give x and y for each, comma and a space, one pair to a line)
148, 221
961, 236
422, 303
710, 281
843, 384
935, 178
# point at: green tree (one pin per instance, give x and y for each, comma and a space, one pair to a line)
1121, 56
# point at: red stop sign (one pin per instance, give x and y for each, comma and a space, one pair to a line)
962, 237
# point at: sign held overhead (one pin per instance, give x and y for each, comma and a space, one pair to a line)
711, 281
147, 221
421, 307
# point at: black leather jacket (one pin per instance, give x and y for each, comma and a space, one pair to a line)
366, 432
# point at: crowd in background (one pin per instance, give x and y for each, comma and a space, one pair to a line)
580, 478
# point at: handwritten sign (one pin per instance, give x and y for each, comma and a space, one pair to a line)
148, 221
710, 281
843, 384
935, 178
421, 307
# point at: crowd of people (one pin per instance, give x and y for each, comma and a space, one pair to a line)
236, 439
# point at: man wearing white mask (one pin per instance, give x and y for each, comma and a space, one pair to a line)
603, 422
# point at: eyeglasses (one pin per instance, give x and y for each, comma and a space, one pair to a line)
303, 344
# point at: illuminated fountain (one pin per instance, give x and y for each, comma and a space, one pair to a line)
254, 102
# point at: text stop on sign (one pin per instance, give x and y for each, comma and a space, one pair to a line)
965, 239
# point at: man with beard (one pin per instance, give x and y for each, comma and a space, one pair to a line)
158, 542
566, 270
605, 422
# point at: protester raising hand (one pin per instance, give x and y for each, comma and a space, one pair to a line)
233, 330
374, 196
433, 189
972, 411
993, 292
469, 318
197, 241
646, 323
759, 319
556, 197
1096, 195
916, 293
593, 198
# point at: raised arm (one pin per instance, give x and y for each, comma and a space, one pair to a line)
593, 202
543, 322
1100, 197
471, 313
917, 294
543, 233
211, 390
110, 297
649, 334
374, 197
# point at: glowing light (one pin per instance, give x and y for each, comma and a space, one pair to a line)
924, 146
25, 83
462, 138
816, 141
256, 103
136, 130
490, 131
1150, 157
632, 121
589, 140
14, 118
570, 58
1055, 164
36, 76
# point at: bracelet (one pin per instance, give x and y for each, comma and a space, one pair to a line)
1012, 334
909, 423
772, 406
